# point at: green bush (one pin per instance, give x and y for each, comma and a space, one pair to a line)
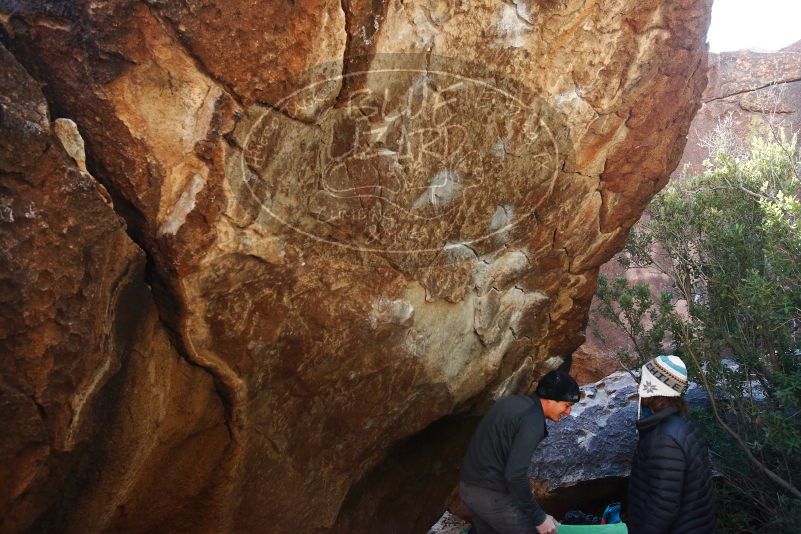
729, 242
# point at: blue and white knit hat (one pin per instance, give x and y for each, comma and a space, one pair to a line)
663, 376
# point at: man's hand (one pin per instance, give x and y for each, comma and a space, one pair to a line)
548, 526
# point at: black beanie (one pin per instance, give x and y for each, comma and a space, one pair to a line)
558, 386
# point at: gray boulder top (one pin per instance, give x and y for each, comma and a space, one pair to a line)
598, 439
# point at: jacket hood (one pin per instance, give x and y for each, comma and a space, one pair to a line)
652, 421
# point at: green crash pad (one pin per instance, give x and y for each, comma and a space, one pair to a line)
616, 528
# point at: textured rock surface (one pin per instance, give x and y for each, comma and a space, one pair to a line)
748, 93
449, 524
353, 236
99, 413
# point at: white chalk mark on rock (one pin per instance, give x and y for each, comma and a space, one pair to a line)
182, 208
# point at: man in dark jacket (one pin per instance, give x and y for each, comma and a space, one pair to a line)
670, 489
494, 475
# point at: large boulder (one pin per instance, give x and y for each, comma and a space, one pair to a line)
350, 232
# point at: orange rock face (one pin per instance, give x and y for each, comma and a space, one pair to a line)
748, 93
100, 412
359, 220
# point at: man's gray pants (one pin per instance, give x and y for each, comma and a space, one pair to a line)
495, 512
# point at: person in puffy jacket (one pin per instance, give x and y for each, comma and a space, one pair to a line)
670, 489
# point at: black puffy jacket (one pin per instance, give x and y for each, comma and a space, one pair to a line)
670, 490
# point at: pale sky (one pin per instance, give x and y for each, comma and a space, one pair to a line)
763, 25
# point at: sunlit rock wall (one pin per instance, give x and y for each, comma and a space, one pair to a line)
358, 219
